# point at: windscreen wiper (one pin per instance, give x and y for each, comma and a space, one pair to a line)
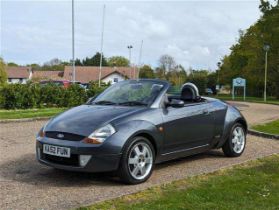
105, 103
133, 103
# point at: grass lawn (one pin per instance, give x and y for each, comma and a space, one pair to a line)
272, 127
253, 185
29, 113
248, 99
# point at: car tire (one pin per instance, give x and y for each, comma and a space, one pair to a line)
137, 161
235, 144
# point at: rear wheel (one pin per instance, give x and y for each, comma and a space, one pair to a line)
235, 145
137, 161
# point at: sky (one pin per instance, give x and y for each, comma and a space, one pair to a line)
196, 33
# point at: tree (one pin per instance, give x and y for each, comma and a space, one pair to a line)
146, 72
118, 61
247, 57
11, 64
200, 80
95, 60
3, 73
166, 63
78, 62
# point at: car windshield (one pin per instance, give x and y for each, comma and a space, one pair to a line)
130, 93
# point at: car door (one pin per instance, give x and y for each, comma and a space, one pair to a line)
188, 127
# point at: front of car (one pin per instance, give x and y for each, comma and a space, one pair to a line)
89, 137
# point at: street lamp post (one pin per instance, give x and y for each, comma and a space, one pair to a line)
266, 49
130, 49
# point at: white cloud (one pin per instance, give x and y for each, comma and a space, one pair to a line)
195, 33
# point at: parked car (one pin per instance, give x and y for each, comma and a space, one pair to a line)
133, 125
62, 83
208, 91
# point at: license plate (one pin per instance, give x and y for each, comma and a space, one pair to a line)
56, 150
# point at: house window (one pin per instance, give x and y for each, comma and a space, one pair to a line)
9, 80
20, 80
115, 79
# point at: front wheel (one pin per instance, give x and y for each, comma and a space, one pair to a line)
137, 161
235, 145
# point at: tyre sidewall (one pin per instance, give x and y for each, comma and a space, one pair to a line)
124, 171
235, 154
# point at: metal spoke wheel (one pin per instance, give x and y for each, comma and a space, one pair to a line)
235, 144
238, 139
140, 160
137, 161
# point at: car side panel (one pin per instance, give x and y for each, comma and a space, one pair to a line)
232, 116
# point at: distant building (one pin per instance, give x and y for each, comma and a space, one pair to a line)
47, 75
86, 74
19, 74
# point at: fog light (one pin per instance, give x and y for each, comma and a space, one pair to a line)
83, 159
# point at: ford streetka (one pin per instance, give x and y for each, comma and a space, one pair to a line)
135, 124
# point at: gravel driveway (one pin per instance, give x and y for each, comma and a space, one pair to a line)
25, 184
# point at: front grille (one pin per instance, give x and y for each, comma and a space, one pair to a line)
72, 161
66, 136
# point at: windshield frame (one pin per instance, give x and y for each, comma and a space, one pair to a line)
156, 101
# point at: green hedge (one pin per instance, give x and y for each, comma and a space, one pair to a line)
23, 96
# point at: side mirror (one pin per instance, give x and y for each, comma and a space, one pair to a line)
176, 103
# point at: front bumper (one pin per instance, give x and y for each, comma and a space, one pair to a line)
97, 162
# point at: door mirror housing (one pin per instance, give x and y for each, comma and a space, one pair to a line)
176, 103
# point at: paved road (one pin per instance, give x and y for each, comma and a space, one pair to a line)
256, 113
25, 184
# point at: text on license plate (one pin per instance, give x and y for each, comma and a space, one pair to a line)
56, 150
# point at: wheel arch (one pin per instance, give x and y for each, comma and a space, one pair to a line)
232, 117
150, 138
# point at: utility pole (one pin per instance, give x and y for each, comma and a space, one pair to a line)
266, 49
130, 63
73, 43
140, 54
102, 43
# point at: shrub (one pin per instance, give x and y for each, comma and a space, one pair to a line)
31, 95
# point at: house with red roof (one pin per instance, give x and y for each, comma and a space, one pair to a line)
86, 74
18, 74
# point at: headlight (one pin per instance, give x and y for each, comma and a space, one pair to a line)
42, 132
100, 135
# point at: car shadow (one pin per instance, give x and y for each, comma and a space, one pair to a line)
206, 155
26, 169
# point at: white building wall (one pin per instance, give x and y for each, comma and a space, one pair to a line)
113, 78
15, 81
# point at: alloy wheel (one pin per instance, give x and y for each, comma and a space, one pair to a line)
140, 160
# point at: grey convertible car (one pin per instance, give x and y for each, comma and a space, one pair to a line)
135, 124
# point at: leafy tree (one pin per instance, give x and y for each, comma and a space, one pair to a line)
146, 72
200, 79
95, 60
78, 62
11, 64
3, 73
118, 61
247, 57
